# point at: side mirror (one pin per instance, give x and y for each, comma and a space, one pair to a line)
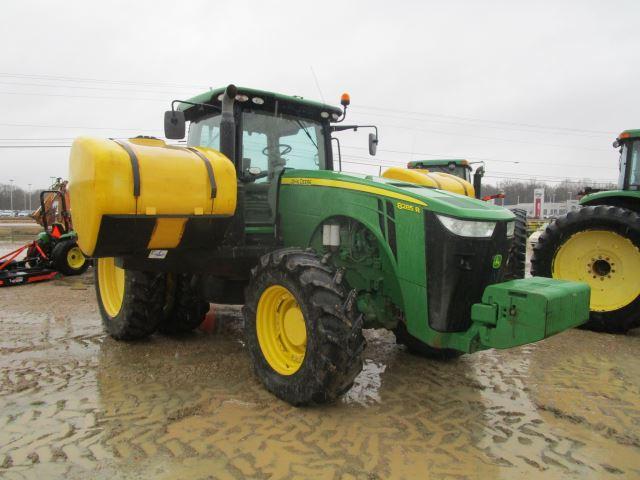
373, 143
174, 124
477, 181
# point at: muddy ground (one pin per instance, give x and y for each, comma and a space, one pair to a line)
75, 404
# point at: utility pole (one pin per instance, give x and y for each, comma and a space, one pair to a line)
11, 195
30, 195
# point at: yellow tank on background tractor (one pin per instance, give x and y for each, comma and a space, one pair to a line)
454, 175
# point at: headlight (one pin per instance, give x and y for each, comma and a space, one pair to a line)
511, 228
467, 228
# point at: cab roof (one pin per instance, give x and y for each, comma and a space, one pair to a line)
635, 133
264, 100
439, 162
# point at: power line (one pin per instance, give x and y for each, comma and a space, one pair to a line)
480, 125
530, 177
31, 125
56, 139
84, 87
83, 96
494, 139
390, 163
96, 80
484, 120
483, 159
35, 146
364, 107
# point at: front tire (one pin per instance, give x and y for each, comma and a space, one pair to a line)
598, 245
302, 328
68, 259
130, 302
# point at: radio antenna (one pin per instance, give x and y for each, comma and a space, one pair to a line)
315, 78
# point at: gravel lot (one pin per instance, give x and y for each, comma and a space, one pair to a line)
76, 404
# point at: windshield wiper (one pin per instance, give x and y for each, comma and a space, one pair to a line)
306, 133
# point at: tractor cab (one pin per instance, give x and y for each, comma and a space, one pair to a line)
273, 133
629, 144
458, 167
627, 194
266, 134
452, 175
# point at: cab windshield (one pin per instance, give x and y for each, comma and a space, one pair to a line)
459, 171
630, 166
269, 142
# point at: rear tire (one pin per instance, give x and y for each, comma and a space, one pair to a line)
517, 259
421, 349
612, 266
68, 259
316, 353
130, 302
186, 309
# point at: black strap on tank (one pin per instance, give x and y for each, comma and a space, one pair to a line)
207, 163
134, 166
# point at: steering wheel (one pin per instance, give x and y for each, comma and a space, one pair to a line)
248, 177
283, 149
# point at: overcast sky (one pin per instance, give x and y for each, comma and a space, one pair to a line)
545, 84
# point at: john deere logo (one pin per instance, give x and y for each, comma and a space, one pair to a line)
497, 261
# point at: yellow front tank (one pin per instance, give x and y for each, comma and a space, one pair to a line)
442, 181
113, 207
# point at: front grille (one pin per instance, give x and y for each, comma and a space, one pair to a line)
458, 269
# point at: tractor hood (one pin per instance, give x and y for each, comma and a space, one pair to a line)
605, 197
438, 201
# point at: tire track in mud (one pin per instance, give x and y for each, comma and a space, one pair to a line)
76, 404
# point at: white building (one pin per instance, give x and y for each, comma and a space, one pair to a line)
549, 209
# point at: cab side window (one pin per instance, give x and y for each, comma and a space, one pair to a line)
205, 133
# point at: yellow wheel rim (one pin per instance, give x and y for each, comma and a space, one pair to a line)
282, 333
605, 260
75, 258
110, 285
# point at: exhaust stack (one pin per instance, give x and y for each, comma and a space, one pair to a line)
228, 123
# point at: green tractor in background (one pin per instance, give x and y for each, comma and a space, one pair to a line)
600, 245
251, 211
439, 173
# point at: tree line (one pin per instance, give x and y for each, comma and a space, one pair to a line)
517, 191
20, 198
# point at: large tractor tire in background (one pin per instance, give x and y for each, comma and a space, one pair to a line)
68, 259
599, 245
419, 348
517, 259
184, 310
302, 329
131, 303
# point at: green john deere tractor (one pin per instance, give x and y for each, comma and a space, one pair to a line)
251, 210
600, 245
